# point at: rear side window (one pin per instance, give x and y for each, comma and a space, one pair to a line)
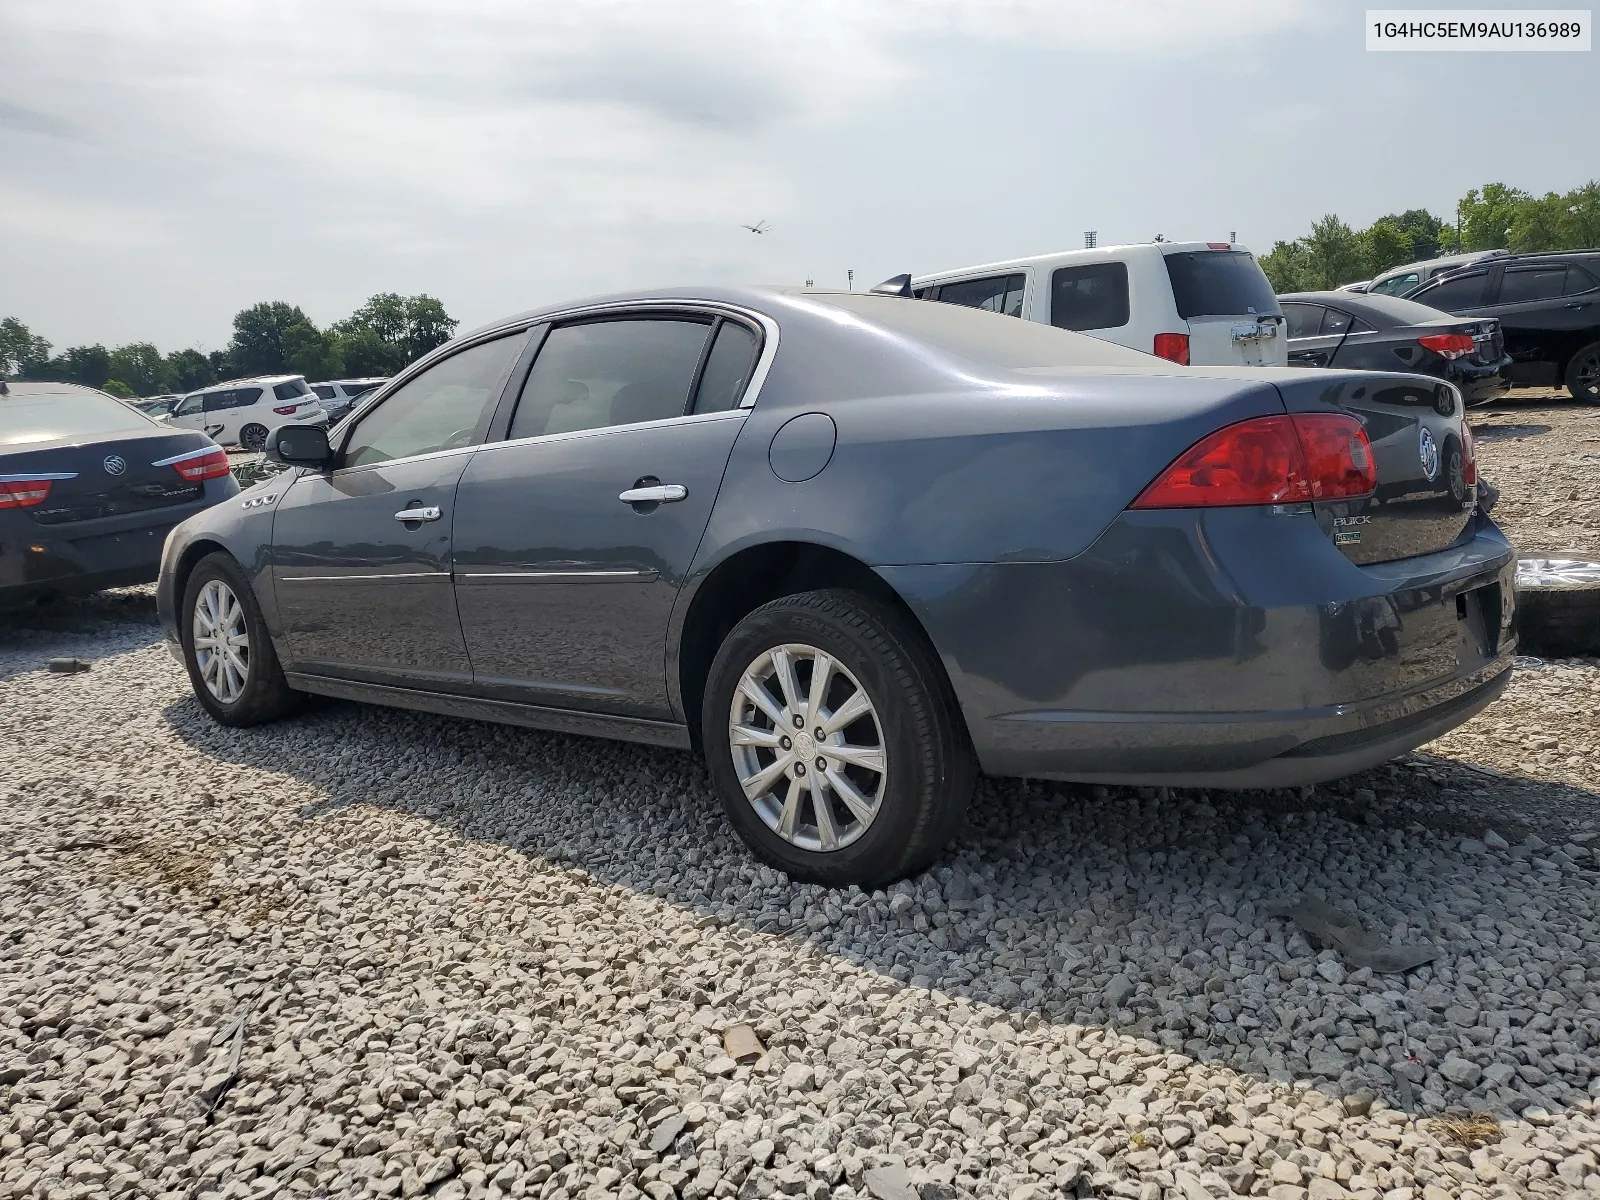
1521, 285
1456, 292
25, 419
1335, 322
1579, 281
727, 370
993, 293
237, 398
288, 391
1218, 283
602, 373
1089, 297
324, 390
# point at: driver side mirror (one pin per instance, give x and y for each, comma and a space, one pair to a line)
299, 446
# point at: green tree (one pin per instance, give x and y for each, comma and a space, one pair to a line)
1386, 245
1427, 232
310, 352
367, 354
140, 367
117, 388
428, 326
1336, 253
391, 330
21, 351
1487, 215
189, 369
1288, 267
261, 339
88, 365
1582, 206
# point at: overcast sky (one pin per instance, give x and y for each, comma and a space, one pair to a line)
168, 162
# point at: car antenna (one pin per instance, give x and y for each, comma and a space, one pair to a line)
895, 285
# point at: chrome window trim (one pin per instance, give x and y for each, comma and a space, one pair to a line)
31, 476
410, 458
599, 430
644, 306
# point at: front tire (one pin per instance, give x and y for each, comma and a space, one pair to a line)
1583, 374
834, 741
253, 437
233, 667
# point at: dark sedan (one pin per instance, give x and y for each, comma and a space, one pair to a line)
860, 547
89, 488
1386, 333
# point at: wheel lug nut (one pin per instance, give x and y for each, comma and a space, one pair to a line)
799, 768
822, 763
799, 721
785, 742
820, 734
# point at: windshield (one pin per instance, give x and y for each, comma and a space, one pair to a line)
1219, 283
49, 418
987, 336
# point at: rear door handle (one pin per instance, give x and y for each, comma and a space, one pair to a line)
430, 513
661, 493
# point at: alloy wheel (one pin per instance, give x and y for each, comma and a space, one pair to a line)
1587, 375
221, 641
808, 747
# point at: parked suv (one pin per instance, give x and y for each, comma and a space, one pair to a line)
338, 395
1548, 306
242, 412
1403, 280
1199, 303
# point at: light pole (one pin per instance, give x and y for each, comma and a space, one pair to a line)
850, 279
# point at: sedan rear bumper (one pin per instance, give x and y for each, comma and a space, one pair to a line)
88, 556
1235, 648
1481, 384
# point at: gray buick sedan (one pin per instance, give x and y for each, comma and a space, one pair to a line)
857, 548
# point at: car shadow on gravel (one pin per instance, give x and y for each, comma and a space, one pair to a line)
1145, 910
83, 627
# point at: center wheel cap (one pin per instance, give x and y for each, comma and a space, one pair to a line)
804, 747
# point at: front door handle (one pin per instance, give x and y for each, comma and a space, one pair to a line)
430, 513
661, 493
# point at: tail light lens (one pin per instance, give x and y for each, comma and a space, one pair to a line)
1269, 460
206, 464
1174, 347
288, 411
1447, 345
23, 493
1469, 456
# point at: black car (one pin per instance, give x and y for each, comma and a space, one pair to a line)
857, 547
89, 488
1383, 333
1548, 306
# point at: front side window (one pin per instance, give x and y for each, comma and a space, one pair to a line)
993, 293
1303, 320
1398, 285
1522, 285
441, 409
190, 405
1094, 296
1456, 292
616, 372
727, 370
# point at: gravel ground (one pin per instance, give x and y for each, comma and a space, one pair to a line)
475, 961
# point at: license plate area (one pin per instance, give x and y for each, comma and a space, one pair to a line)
1478, 620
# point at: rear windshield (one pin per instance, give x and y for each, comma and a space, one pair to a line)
288, 391
1219, 283
986, 336
47, 418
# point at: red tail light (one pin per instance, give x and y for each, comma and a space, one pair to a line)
199, 465
287, 412
1174, 347
1269, 460
1447, 345
1219, 245
1469, 456
23, 493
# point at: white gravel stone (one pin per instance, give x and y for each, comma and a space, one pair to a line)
482, 962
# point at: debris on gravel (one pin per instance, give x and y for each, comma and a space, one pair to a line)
482, 962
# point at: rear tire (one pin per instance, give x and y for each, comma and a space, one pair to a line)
888, 787
233, 666
253, 437
1583, 374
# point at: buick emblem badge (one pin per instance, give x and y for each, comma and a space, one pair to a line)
114, 464
1428, 452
